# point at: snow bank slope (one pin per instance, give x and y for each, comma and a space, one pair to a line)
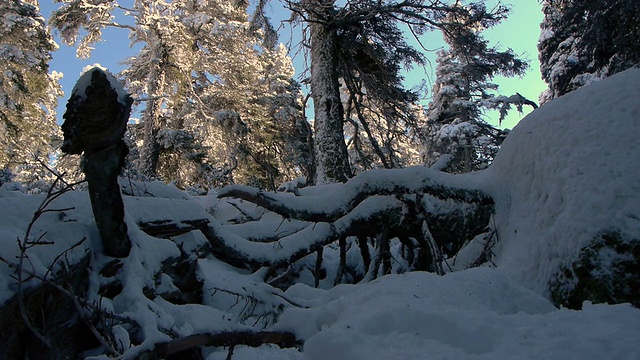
472, 314
569, 171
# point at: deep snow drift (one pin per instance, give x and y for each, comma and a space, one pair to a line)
567, 172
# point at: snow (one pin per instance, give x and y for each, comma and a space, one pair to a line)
565, 174
60, 230
85, 81
474, 314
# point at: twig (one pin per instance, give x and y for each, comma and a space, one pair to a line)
83, 316
25, 244
230, 353
50, 269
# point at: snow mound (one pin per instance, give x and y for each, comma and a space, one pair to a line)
65, 235
567, 173
472, 314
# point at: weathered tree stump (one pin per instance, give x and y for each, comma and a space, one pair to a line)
95, 122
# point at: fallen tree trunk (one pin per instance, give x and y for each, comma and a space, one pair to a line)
222, 339
336, 202
366, 206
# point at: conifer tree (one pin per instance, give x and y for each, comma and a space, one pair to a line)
456, 135
28, 92
156, 71
360, 42
243, 108
203, 76
583, 41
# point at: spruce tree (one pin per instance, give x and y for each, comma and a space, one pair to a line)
360, 42
243, 107
583, 41
457, 137
203, 75
153, 73
28, 92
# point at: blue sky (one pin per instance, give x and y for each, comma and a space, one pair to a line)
519, 32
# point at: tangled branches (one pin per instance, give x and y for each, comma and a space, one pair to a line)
408, 217
187, 264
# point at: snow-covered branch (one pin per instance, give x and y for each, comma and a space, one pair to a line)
336, 202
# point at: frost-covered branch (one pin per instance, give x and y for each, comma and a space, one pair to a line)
336, 202
229, 247
393, 202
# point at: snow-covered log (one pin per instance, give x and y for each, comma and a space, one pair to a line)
397, 203
226, 339
328, 203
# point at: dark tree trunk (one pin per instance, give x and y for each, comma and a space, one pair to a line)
102, 169
95, 122
330, 150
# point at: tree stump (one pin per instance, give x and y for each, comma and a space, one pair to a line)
95, 122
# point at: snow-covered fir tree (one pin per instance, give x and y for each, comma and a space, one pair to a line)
243, 107
208, 87
28, 92
361, 43
584, 41
159, 73
154, 74
457, 137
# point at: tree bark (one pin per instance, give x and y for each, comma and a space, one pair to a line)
330, 151
102, 169
150, 152
95, 122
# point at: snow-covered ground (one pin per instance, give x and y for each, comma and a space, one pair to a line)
472, 314
568, 172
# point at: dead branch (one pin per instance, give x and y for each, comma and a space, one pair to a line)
359, 188
226, 339
366, 219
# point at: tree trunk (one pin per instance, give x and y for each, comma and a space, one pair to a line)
95, 122
150, 152
330, 151
102, 168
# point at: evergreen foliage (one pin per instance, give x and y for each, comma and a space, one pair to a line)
457, 138
28, 92
583, 41
381, 114
362, 43
220, 105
